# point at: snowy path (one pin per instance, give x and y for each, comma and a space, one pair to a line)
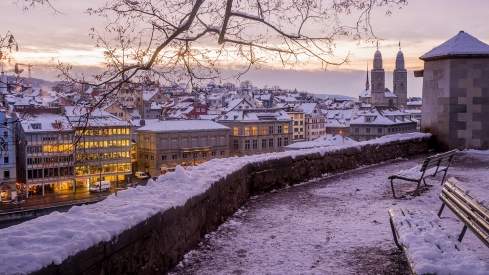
336, 225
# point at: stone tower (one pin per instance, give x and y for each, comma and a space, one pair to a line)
378, 79
456, 93
400, 79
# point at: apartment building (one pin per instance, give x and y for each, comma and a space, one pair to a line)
314, 120
164, 144
375, 123
102, 147
45, 155
7, 157
255, 131
298, 124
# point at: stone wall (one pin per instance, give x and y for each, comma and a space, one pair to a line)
159, 243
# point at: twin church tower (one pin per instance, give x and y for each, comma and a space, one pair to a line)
377, 94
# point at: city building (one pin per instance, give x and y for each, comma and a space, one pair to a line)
7, 157
255, 131
45, 155
164, 144
102, 147
377, 122
338, 121
298, 124
456, 92
314, 120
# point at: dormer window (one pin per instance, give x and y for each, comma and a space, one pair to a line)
36, 126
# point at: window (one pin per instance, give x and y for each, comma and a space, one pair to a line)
222, 153
379, 130
286, 141
204, 154
279, 129
254, 131
255, 144
5, 160
196, 155
6, 174
235, 131
247, 145
286, 128
213, 154
235, 144
163, 157
279, 142
247, 131
270, 143
174, 157
184, 155
263, 143
270, 130
368, 130
357, 130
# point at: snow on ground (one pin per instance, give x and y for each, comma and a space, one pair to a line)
337, 225
31, 245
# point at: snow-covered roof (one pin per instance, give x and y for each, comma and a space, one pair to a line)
156, 125
97, 118
388, 93
45, 122
365, 93
414, 103
385, 117
256, 115
462, 44
147, 95
323, 141
307, 108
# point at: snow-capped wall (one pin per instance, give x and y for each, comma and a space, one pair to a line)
148, 229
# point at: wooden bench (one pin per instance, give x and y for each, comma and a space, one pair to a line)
473, 214
431, 248
431, 166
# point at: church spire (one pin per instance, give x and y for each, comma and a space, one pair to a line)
367, 82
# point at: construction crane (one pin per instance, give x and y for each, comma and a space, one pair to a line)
18, 70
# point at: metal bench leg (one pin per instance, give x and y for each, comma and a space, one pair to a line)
437, 167
396, 241
441, 209
444, 176
392, 187
417, 187
461, 236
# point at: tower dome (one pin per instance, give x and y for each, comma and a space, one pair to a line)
400, 61
377, 60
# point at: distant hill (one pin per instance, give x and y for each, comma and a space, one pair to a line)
36, 82
332, 96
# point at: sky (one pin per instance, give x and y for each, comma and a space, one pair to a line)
45, 38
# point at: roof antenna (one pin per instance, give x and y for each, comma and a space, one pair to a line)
377, 44
399, 45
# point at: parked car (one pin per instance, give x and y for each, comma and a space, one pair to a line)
99, 186
141, 175
165, 170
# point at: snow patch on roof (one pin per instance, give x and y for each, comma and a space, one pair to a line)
156, 125
462, 44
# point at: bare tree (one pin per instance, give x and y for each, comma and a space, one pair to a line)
177, 40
